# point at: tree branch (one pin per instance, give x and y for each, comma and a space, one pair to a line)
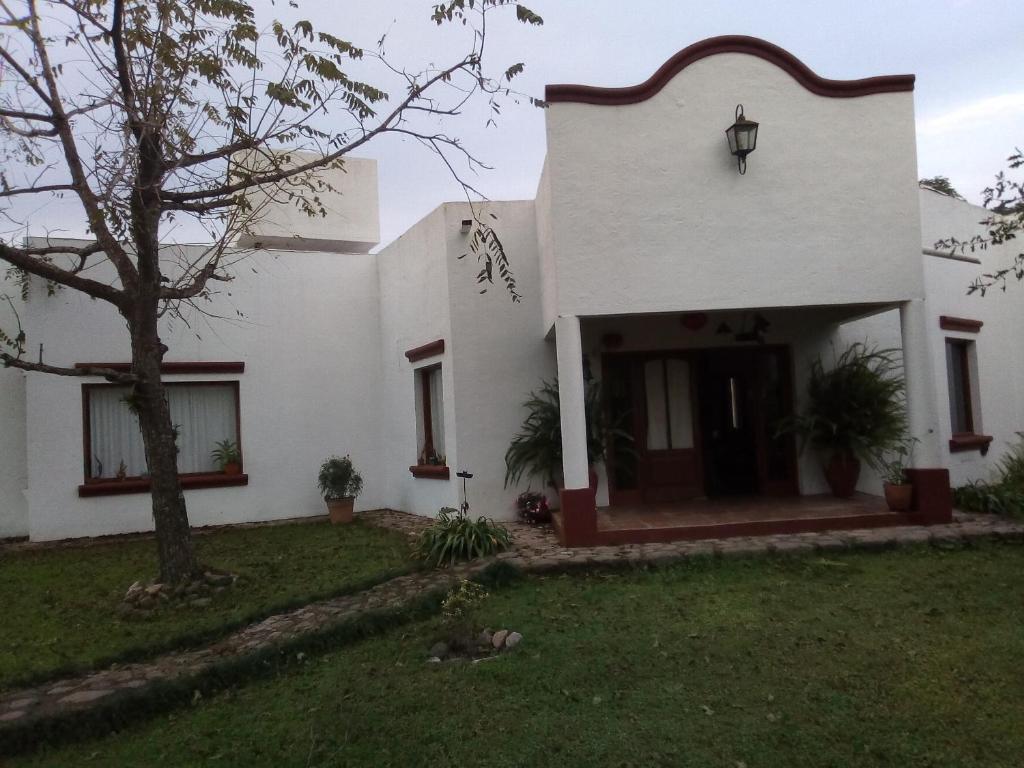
28, 260
115, 377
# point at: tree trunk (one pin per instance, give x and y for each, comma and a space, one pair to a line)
173, 535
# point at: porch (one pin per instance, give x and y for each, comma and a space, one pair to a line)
695, 519
697, 401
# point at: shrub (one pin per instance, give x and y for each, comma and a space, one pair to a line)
453, 536
990, 498
1004, 495
338, 479
857, 407
537, 449
1011, 467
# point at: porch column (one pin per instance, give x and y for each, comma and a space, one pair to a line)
571, 401
933, 502
579, 512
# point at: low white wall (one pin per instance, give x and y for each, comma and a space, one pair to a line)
310, 343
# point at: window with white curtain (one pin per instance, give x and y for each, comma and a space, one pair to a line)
430, 415
203, 413
669, 414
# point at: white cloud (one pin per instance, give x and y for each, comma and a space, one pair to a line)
974, 114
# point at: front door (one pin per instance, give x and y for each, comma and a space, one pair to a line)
745, 394
650, 397
703, 422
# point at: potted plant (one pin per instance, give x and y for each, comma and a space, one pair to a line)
228, 457
855, 411
898, 491
340, 484
537, 449
533, 508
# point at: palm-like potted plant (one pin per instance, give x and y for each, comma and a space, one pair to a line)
856, 410
228, 457
537, 449
339, 484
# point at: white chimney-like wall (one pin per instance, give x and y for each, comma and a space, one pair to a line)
352, 223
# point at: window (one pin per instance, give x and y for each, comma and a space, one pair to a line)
669, 417
963, 397
958, 373
204, 413
430, 417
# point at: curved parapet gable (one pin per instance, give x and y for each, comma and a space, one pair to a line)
588, 94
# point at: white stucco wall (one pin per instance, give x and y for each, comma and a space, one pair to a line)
310, 343
414, 310
351, 223
1000, 353
500, 354
649, 213
13, 467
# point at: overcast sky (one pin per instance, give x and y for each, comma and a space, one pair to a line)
966, 55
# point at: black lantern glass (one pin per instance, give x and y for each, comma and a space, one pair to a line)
742, 137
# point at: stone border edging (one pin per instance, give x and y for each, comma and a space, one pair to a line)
63, 710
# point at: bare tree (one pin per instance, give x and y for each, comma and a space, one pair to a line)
147, 111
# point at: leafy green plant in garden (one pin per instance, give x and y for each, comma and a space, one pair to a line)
1004, 494
454, 536
857, 407
338, 479
459, 613
537, 448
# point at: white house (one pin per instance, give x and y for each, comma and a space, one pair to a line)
646, 260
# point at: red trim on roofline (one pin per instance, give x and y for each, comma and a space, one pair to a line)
753, 46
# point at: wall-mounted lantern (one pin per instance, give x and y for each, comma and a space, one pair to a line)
742, 136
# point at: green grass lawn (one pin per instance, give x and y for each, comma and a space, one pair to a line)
60, 606
906, 658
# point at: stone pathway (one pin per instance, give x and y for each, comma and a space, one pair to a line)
535, 549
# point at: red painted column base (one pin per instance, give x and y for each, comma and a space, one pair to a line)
933, 498
579, 517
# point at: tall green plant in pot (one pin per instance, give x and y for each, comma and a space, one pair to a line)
856, 410
339, 484
537, 448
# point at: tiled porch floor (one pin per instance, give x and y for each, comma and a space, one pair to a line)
732, 510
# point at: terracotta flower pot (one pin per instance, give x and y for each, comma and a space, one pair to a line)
232, 468
842, 472
340, 510
898, 497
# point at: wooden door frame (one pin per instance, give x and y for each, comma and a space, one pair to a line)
631, 496
695, 357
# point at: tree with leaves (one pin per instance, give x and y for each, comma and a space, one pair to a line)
148, 111
940, 184
1005, 202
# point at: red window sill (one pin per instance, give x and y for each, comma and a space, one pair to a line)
141, 484
968, 442
430, 471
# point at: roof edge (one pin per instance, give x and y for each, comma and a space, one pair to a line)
753, 46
